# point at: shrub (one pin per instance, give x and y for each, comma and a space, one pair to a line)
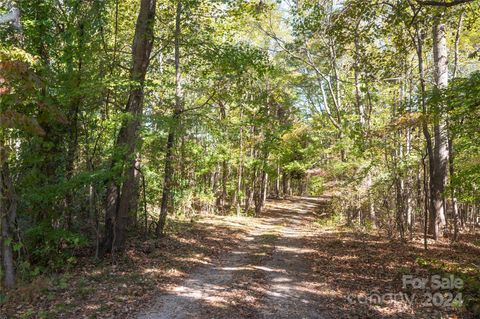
52, 248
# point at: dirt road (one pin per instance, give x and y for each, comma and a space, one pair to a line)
268, 276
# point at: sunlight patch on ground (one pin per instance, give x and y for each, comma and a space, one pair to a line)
233, 268
281, 279
297, 250
152, 271
344, 258
249, 267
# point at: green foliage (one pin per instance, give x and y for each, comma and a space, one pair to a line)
468, 274
52, 248
328, 92
471, 292
333, 220
316, 186
464, 110
3, 298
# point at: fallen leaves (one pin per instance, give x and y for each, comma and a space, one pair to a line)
332, 263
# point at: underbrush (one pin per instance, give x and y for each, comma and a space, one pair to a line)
333, 220
114, 286
469, 273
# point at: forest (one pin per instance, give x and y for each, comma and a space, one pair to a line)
239, 158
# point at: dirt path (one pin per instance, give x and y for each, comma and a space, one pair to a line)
280, 265
287, 266
268, 276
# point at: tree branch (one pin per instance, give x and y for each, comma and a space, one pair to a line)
444, 3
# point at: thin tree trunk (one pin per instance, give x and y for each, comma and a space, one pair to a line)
358, 98
8, 216
397, 156
264, 188
425, 203
277, 182
133, 205
225, 171
418, 40
168, 180
410, 194
240, 168
285, 184
457, 43
223, 201
169, 158
399, 206
73, 138
450, 136
257, 191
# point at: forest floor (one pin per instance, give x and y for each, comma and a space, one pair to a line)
290, 262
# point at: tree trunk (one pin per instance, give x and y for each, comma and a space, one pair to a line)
222, 200
440, 150
8, 212
167, 183
169, 156
277, 182
117, 210
399, 206
73, 136
425, 202
240, 168
418, 40
257, 191
264, 188
457, 42
356, 68
450, 138
409, 194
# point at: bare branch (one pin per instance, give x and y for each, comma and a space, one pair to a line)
443, 3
